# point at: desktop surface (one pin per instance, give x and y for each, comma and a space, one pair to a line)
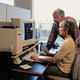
37, 68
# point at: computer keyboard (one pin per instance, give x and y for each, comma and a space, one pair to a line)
27, 57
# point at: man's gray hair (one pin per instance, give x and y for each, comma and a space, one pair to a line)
68, 24
59, 12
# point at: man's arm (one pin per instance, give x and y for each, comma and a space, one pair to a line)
77, 34
78, 44
77, 37
52, 37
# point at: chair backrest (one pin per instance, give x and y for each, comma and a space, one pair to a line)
79, 71
75, 72
75, 66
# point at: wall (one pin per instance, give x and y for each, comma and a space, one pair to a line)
2, 12
7, 12
26, 4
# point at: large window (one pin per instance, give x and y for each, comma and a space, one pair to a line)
43, 13
10, 2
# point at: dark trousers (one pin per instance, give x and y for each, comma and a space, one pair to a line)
52, 70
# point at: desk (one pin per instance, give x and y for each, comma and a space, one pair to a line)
6, 65
30, 74
37, 68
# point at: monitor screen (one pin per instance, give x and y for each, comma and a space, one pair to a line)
29, 33
28, 30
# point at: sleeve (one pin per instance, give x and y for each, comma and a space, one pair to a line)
77, 32
52, 37
77, 35
78, 41
63, 51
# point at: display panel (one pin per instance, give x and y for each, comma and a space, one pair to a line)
28, 30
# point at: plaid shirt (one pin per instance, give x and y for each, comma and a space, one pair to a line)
55, 32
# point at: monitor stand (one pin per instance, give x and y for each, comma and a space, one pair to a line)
17, 60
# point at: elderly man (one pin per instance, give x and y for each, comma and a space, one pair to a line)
58, 16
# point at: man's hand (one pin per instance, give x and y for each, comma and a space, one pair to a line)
78, 52
34, 57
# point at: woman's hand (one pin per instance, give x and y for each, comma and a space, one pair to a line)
46, 51
34, 57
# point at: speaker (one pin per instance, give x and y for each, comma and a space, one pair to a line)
5, 65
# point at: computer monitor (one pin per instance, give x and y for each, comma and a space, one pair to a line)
16, 39
28, 30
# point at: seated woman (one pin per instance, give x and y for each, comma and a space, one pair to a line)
65, 56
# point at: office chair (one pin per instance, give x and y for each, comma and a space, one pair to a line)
75, 72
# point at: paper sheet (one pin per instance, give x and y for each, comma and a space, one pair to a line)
25, 66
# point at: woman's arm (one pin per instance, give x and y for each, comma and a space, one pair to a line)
52, 59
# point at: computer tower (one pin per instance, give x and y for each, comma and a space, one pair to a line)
11, 40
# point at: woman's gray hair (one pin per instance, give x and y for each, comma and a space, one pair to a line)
68, 24
59, 12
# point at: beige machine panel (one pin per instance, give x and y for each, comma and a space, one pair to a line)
18, 22
11, 40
